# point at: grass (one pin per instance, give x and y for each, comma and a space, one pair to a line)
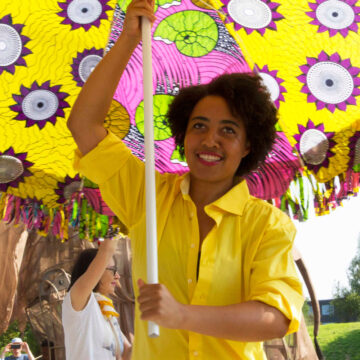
339, 341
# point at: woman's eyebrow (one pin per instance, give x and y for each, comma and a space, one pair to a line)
203, 118
231, 122
225, 121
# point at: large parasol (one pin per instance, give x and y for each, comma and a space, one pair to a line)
47, 51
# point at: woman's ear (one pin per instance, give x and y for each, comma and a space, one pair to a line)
247, 148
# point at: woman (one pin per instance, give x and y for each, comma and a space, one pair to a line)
227, 280
89, 319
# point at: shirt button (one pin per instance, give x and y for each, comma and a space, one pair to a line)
192, 245
195, 353
189, 281
191, 215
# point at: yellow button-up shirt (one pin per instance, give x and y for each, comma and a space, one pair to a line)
246, 256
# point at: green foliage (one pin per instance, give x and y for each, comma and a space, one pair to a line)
347, 305
27, 336
347, 301
354, 274
339, 341
308, 316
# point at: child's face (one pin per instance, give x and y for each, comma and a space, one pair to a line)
215, 141
109, 280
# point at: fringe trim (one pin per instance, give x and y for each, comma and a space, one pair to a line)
305, 192
78, 213
87, 212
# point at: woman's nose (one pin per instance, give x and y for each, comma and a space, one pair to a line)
210, 139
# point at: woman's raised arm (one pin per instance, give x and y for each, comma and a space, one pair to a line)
88, 113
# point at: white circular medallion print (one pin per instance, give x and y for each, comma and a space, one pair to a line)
271, 84
87, 65
10, 45
40, 104
253, 14
335, 14
84, 11
314, 146
330, 82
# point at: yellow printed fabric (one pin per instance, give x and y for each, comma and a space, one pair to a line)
246, 256
308, 53
48, 48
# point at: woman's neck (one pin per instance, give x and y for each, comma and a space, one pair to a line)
203, 193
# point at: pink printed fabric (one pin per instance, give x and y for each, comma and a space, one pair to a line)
190, 45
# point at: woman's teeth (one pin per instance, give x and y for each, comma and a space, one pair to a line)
210, 158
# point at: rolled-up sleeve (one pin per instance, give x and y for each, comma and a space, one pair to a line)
274, 279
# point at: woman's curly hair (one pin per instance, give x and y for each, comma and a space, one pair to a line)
247, 98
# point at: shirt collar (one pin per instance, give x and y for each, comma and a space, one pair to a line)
233, 201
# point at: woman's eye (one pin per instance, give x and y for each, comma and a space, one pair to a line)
198, 126
229, 130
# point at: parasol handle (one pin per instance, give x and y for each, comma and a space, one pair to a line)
151, 234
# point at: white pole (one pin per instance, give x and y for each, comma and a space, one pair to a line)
151, 234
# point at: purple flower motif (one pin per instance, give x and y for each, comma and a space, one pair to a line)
330, 81
12, 45
79, 14
314, 145
255, 15
354, 146
335, 16
39, 105
273, 83
84, 64
67, 188
14, 167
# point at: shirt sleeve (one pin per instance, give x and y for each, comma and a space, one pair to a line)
274, 279
120, 176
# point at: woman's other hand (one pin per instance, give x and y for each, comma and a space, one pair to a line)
157, 304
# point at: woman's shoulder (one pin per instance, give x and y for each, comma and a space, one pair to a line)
68, 308
262, 210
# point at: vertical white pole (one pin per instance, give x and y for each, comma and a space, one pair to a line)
151, 234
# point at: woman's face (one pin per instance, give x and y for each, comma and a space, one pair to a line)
215, 142
109, 279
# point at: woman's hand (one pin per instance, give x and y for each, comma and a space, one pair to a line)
134, 12
158, 305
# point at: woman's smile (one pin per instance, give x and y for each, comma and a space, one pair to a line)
209, 158
215, 142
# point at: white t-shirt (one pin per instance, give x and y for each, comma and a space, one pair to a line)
88, 336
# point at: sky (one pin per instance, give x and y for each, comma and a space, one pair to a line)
327, 245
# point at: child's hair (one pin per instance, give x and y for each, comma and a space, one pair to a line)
81, 265
247, 98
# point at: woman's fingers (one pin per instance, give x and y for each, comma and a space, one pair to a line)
142, 8
157, 304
